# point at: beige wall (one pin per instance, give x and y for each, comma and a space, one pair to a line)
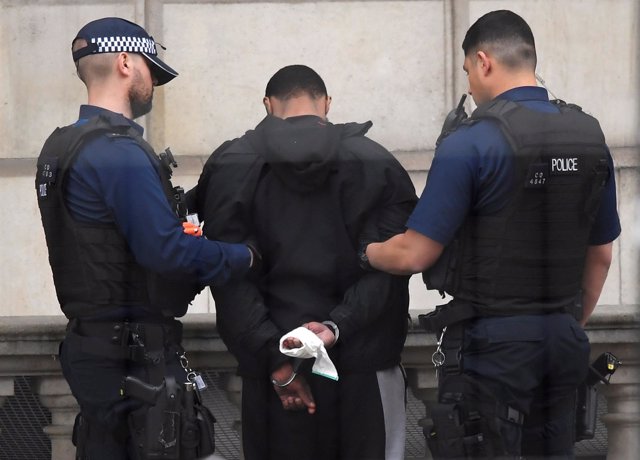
397, 63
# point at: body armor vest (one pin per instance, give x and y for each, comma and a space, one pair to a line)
93, 267
529, 256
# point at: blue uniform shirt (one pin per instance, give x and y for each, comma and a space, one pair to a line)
472, 170
112, 180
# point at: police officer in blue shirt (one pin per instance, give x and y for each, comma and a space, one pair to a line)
516, 222
123, 267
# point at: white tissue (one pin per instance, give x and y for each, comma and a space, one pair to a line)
312, 347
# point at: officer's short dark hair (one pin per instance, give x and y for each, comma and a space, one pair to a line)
293, 80
94, 65
507, 35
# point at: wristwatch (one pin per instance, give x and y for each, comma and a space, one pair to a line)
336, 330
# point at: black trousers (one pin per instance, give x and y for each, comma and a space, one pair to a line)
360, 417
532, 363
95, 382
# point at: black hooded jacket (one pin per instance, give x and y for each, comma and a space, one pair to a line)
307, 192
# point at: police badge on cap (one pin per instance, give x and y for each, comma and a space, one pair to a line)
114, 35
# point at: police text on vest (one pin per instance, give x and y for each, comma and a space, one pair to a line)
564, 165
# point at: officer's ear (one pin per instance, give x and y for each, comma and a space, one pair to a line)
267, 105
483, 61
327, 105
124, 63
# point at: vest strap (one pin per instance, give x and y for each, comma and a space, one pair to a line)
444, 315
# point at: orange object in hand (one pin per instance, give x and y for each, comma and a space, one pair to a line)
191, 229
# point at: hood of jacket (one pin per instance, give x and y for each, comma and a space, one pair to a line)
302, 151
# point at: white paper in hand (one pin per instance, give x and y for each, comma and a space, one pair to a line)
312, 347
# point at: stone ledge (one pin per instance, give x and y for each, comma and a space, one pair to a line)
412, 161
29, 344
202, 326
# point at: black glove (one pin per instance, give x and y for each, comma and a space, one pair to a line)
256, 261
363, 260
369, 234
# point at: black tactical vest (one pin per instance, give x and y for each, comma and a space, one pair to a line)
529, 256
93, 267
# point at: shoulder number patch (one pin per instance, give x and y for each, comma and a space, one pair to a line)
46, 175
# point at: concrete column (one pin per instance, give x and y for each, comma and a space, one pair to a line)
55, 395
622, 420
6, 388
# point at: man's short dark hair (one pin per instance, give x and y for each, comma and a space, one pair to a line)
506, 34
293, 80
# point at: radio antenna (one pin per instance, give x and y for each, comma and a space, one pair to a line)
543, 83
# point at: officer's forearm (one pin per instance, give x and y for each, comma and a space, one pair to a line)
404, 254
596, 268
392, 256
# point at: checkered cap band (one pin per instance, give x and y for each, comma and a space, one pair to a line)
126, 44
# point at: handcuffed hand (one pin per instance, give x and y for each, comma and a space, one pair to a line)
296, 395
323, 332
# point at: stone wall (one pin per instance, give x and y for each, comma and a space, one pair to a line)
397, 63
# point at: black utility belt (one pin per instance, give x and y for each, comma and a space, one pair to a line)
125, 340
122, 332
457, 311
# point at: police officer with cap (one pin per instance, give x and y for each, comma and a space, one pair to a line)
516, 223
123, 267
